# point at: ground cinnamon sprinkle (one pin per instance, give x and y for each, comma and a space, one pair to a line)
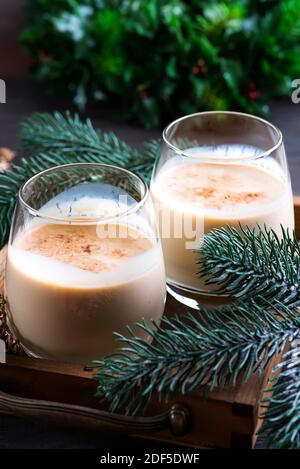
218, 186
206, 192
215, 197
118, 253
246, 197
81, 247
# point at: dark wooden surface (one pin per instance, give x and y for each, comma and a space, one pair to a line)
24, 97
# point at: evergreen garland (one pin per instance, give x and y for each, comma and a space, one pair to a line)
247, 264
159, 59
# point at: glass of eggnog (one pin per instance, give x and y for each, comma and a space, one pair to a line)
216, 169
84, 260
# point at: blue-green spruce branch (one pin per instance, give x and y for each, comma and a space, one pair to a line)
217, 348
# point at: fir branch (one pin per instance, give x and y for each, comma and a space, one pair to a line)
220, 347
43, 133
282, 418
249, 264
67, 134
214, 349
50, 140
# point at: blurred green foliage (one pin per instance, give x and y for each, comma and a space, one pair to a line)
163, 58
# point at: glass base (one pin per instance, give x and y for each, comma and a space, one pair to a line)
196, 299
13, 330
33, 352
44, 356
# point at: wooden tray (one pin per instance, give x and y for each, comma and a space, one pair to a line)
63, 394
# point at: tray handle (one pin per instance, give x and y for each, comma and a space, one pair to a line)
177, 419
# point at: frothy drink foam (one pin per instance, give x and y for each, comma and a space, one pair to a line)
210, 196
70, 288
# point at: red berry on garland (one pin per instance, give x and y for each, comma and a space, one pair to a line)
200, 63
253, 93
44, 57
143, 92
251, 86
200, 68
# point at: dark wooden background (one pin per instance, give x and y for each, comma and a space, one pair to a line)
13, 60
25, 96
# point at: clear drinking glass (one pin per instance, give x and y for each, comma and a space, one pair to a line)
216, 169
84, 260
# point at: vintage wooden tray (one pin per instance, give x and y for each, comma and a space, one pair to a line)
63, 395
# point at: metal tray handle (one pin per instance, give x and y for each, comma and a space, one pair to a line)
177, 419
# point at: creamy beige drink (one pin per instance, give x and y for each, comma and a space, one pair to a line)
69, 287
203, 196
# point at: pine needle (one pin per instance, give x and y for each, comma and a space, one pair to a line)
53, 139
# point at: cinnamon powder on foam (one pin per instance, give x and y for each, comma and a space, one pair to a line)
216, 190
82, 248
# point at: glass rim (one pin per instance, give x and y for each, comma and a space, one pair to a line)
83, 219
263, 154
